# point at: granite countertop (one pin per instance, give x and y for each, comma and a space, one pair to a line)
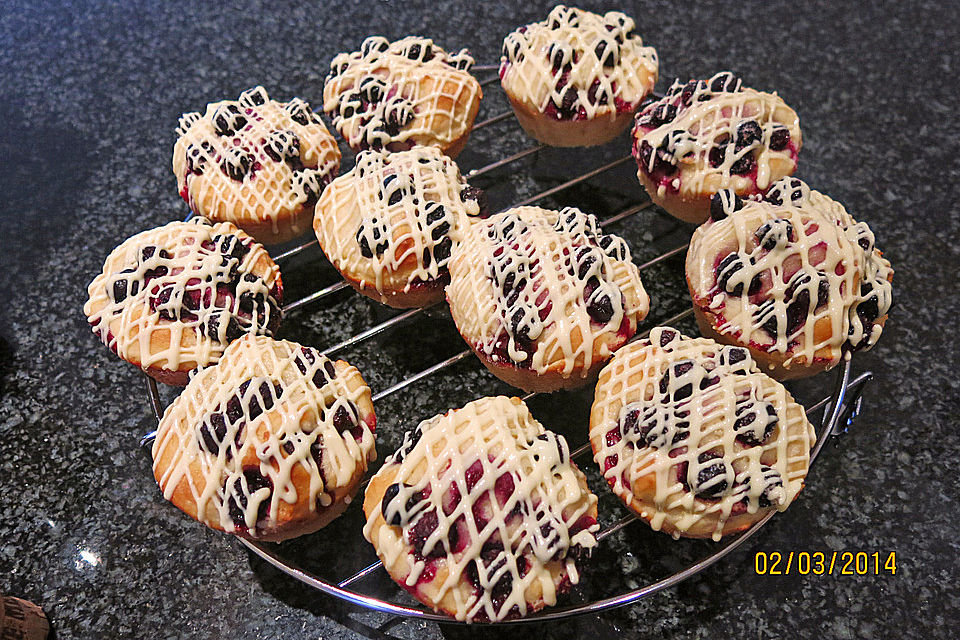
90, 93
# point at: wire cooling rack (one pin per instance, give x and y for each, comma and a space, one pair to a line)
839, 409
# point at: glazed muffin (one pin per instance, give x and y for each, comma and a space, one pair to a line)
792, 277
481, 514
269, 444
577, 78
708, 135
694, 438
389, 225
394, 95
255, 162
543, 298
169, 300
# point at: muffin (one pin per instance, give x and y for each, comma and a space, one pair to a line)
694, 439
576, 78
269, 444
255, 162
169, 300
481, 514
708, 135
793, 277
394, 95
389, 225
543, 298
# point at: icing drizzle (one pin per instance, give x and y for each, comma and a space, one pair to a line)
273, 432
697, 432
488, 494
174, 296
706, 135
564, 294
392, 95
393, 220
253, 159
578, 65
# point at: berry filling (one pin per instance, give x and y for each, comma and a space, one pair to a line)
225, 302
241, 490
755, 422
378, 110
242, 407
709, 479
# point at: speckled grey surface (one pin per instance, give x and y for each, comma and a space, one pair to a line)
89, 97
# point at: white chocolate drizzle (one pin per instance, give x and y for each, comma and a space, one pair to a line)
270, 435
545, 289
703, 136
578, 65
254, 159
690, 433
511, 511
392, 221
392, 95
172, 297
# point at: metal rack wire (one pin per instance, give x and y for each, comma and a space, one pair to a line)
839, 410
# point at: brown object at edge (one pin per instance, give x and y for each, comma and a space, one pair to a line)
22, 620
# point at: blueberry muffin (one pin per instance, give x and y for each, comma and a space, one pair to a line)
708, 135
576, 78
255, 162
269, 444
481, 514
791, 276
394, 95
694, 438
390, 224
544, 298
169, 300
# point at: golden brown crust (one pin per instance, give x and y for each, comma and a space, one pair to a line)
569, 133
770, 362
692, 209
546, 381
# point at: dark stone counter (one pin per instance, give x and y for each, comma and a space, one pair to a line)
89, 97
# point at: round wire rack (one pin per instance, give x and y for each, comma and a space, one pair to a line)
838, 410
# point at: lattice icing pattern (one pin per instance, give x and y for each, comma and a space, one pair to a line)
392, 95
793, 275
545, 290
254, 160
392, 221
707, 135
873, 300
270, 443
173, 297
694, 438
578, 65
481, 513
